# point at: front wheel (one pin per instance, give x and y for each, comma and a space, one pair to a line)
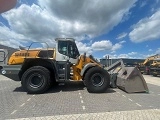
36, 79
97, 80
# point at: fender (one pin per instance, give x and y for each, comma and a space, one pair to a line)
49, 64
88, 65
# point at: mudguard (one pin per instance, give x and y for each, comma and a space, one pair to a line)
88, 65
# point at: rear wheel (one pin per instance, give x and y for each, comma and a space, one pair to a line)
97, 80
36, 79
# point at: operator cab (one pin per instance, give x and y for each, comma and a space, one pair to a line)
66, 49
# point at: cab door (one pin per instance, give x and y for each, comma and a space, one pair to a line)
67, 50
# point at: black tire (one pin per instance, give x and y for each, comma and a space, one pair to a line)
97, 80
36, 80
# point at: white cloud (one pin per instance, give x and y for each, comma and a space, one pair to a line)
115, 56
121, 42
10, 38
106, 45
102, 45
158, 51
98, 46
146, 29
132, 53
147, 55
122, 35
12, 43
116, 46
82, 47
111, 56
123, 56
150, 50
72, 18
32, 22
143, 4
6, 34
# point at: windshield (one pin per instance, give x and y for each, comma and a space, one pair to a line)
68, 48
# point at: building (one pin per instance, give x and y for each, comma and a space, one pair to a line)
108, 62
10, 49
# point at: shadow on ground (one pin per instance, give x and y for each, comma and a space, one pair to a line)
65, 87
19, 89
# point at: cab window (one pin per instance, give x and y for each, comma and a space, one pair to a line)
62, 47
68, 48
72, 50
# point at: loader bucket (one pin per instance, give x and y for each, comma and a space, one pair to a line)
131, 80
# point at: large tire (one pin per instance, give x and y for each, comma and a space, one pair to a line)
97, 80
36, 80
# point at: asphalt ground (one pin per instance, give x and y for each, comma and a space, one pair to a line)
73, 99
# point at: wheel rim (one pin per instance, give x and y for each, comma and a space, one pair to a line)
97, 80
36, 80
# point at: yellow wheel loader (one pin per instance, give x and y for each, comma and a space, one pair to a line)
155, 67
37, 69
147, 64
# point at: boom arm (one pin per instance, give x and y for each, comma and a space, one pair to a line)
151, 58
155, 64
116, 64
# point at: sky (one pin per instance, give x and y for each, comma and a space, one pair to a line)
118, 28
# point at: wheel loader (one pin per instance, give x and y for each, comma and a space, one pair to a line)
148, 63
38, 69
155, 68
